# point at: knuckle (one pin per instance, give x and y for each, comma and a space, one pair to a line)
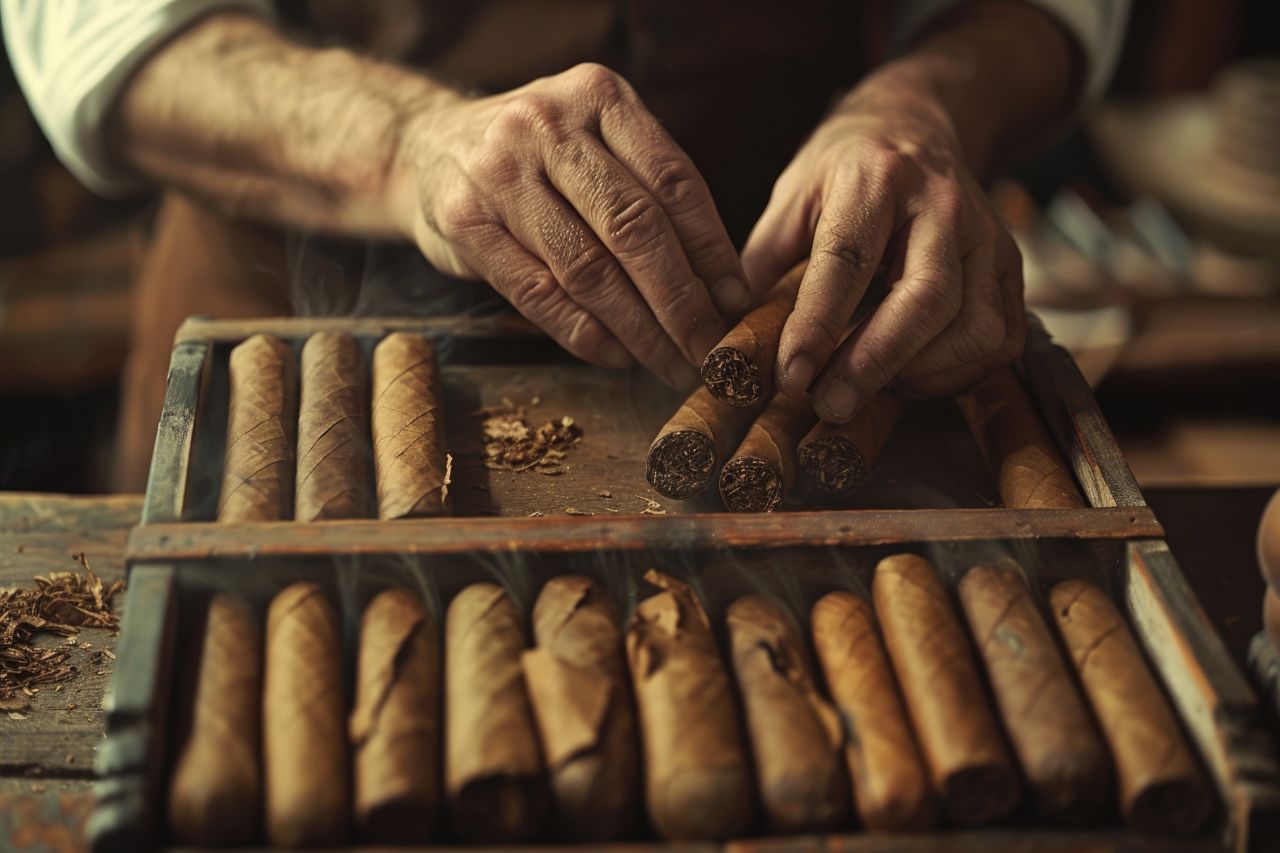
633, 225
528, 113
599, 81
935, 294
840, 246
676, 183
587, 270
494, 166
949, 205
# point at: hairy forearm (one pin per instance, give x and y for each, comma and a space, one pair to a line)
1001, 71
237, 115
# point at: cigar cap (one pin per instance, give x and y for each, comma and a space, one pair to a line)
681, 464
732, 377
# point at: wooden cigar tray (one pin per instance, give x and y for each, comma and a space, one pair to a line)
930, 494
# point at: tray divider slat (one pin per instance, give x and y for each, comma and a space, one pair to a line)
167, 481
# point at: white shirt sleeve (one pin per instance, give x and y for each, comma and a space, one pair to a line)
1098, 25
72, 57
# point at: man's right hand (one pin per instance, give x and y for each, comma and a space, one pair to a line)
570, 198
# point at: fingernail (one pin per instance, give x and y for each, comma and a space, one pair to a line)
613, 354
705, 338
839, 399
732, 295
798, 373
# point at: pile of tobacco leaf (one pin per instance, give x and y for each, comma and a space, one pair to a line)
511, 444
61, 603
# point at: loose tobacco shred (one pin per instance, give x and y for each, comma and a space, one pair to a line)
511, 444
61, 603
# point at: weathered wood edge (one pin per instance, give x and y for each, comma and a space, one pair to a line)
1076, 422
129, 765
200, 329
193, 541
167, 481
1213, 698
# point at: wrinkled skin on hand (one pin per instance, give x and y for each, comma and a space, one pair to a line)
884, 179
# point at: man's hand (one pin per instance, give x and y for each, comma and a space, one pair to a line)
884, 178
573, 202
888, 178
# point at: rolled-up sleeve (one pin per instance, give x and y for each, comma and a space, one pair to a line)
72, 57
1098, 25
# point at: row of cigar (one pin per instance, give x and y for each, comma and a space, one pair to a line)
595, 731
301, 432
760, 447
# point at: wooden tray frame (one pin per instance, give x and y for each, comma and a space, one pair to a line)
1213, 699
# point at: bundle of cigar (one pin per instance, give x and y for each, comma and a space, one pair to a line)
304, 443
912, 712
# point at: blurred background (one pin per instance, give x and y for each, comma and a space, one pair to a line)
1151, 235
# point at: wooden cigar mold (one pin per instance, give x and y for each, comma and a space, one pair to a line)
444, 652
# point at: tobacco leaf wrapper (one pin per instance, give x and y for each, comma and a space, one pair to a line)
890, 785
697, 778
262, 420
1161, 786
333, 430
796, 737
493, 765
1027, 467
688, 450
962, 744
764, 469
304, 722
1057, 744
409, 449
577, 681
395, 725
739, 370
838, 457
215, 795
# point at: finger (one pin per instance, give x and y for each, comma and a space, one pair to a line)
974, 341
554, 232
850, 237
641, 144
534, 291
781, 238
916, 310
635, 229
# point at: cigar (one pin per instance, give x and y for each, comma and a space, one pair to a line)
764, 469
697, 779
409, 449
1161, 787
258, 470
333, 430
395, 725
577, 682
840, 456
685, 456
493, 766
890, 786
303, 722
962, 744
796, 737
215, 794
739, 371
1026, 466
1061, 753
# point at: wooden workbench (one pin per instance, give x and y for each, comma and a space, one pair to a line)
46, 758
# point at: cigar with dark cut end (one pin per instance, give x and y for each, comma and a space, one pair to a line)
764, 469
1028, 470
262, 420
972, 773
333, 430
838, 457
739, 371
215, 795
890, 785
1161, 787
395, 725
409, 450
493, 765
796, 737
304, 722
689, 449
697, 777
1058, 746
577, 679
